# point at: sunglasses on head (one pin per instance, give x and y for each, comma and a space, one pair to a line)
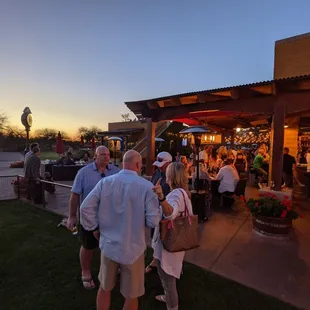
160, 159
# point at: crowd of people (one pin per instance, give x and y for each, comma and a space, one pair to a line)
112, 209
116, 207
254, 160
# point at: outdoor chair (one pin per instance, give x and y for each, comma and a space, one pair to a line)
227, 200
253, 176
240, 188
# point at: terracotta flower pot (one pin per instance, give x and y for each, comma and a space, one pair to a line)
272, 226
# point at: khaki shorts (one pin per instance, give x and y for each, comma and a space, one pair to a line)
132, 276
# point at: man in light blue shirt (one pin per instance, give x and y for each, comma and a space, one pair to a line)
84, 182
122, 206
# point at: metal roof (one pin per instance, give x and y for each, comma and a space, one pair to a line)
261, 83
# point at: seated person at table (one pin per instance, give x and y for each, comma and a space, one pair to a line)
240, 163
61, 160
86, 158
228, 177
258, 164
65, 160
185, 163
214, 162
203, 173
69, 159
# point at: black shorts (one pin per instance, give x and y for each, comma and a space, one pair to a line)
87, 238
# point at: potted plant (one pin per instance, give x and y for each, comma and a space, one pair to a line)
17, 164
22, 184
271, 216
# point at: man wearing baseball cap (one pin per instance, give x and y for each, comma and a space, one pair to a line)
162, 162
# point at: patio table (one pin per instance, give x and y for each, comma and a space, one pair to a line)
65, 173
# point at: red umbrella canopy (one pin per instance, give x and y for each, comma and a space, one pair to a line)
82, 141
93, 143
59, 144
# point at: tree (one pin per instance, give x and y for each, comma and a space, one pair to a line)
46, 134
125, 117
89, 133
3, 122
14, 132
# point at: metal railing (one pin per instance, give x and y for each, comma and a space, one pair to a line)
10, 187
52, 195
55, 196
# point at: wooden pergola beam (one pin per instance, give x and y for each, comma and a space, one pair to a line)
238, 93
262, 105
152, 104
173, 102
297, 102
204, 97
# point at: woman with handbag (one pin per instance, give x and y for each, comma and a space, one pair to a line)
169, 240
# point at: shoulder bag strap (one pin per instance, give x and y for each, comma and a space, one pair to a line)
186, 212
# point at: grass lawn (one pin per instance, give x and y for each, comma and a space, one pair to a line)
48, 155
40, 270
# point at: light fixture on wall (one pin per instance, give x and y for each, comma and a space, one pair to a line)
285, 126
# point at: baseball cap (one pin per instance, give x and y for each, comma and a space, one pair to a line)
162, 158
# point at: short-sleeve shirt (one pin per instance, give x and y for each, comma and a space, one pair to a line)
88, 177
288, 162
258, 161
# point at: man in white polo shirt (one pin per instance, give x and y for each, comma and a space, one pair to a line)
228, 176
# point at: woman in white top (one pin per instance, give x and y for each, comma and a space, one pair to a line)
169, 265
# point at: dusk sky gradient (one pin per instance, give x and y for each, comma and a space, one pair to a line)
75, 62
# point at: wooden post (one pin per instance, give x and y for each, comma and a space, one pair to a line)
276, 161
150, 146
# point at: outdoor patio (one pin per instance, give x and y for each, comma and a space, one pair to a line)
280, 268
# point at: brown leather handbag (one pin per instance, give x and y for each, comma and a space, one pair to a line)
180, 234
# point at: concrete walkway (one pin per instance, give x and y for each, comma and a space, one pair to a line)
279, 268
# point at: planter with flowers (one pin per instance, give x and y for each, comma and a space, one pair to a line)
17, 164
271, 216
22, 184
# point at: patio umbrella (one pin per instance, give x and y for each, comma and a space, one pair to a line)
59, 144
82, 141
93, 144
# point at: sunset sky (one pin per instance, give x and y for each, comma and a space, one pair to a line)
75, 62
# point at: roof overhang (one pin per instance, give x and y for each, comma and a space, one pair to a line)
256, 99
120, 132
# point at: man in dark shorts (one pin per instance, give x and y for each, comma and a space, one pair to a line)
84, 183
288, 163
